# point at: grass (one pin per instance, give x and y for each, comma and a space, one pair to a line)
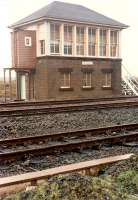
122, 185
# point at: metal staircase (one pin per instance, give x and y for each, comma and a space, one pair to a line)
129, 83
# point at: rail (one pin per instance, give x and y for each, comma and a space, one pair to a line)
62, 141
61, 135
71, 107
57, 102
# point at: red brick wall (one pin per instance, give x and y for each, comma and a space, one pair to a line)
23, 56
48, 78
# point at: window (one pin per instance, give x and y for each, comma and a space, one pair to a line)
54, 38
66, 76
107, 79
87, 80
80, 41
114, 43
28, 41
91, 41
67, 40
103, 39
42, 47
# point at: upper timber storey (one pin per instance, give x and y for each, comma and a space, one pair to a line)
65, 29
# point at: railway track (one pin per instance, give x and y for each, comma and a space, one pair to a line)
51, 144
58, 102
66, 106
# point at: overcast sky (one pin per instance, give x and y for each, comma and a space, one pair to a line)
125, 11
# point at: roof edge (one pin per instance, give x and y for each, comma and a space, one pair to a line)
65, 20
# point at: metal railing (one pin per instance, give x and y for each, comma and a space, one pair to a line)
130, 81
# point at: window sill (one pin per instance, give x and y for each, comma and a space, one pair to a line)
106, 87
87, 88
66, 89
55, 54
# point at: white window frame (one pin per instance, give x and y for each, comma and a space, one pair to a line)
87, 79
28, 41
79, 44
68, 44
107, 80
91, 42
55, 41
42, 47
66, 80
102, 43
114, 44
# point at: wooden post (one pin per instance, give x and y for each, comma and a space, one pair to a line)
5, 85
33, 85
29, 87
17, 85
33, 182
10, 84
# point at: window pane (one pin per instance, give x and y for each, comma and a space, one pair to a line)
68, 39
65, 49
80, 40
103, 40
54, 38
56, 48
107, 80
52, 48
65, 80
42, 47
114, 43
91, 41
87, 79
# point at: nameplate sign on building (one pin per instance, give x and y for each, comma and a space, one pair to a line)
87, 63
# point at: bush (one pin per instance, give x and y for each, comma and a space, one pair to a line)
128, 181
76, 187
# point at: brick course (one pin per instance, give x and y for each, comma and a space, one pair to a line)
23, 56
48, 77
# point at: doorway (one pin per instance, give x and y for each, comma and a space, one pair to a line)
23, 87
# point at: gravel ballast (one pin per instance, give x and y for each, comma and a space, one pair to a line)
11, 127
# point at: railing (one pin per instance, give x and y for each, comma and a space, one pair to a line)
130, 81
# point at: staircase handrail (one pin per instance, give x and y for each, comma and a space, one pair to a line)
132, 77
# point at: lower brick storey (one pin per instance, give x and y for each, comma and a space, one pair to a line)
46, 82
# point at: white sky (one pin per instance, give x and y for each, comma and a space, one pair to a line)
125, 11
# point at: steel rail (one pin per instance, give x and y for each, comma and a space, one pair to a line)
68, 146
66, 108
57, 102
61, 135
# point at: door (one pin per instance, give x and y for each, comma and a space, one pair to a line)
23, 87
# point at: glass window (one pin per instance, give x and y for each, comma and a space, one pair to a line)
42, 47
87, 79
107, 80
66, 80
114, 43
91, 41
68, 39
80, 40
103, 40
28, 41
54, 38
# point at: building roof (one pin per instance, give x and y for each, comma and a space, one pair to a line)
70, 12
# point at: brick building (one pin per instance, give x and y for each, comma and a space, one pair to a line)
66, 51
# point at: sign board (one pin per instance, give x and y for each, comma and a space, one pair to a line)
87, 63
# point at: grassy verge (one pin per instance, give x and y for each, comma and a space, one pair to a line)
114, 183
